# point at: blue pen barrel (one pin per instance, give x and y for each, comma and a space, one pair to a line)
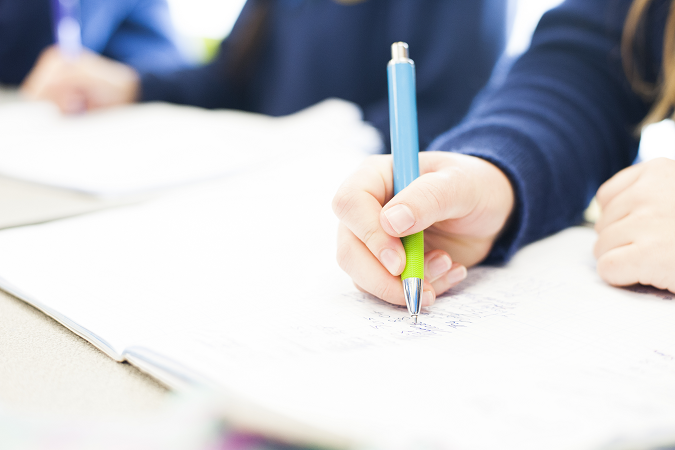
403, 122
405, 150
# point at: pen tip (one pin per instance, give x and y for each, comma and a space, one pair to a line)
415, 319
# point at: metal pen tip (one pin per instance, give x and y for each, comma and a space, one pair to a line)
412, 291
415, 319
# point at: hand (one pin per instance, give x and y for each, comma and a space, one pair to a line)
88, 82
461, 202
636, 232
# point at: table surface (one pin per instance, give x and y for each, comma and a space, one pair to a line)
44, 367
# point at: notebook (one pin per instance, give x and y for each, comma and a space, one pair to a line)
136, 149
234, 285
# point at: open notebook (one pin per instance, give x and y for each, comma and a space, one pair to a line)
235, 285
140, 148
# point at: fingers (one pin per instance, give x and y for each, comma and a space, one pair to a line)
51, 79
617, 234
431, 198
71, 101
46, 67
621, 205
358, 204
441, 272
90, 81
618, 183
373, 255
469, 195
366, 271
620, 266
107, 82
369, 276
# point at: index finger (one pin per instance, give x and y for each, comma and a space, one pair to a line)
358, 204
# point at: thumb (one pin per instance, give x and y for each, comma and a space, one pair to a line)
431, 198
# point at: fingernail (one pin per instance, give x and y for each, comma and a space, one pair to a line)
391, 261
438, 266
456, 275
428, 298
400, 218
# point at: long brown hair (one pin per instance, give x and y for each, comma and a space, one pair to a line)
662, 92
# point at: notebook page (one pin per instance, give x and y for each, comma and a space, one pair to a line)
139, 148
237, 282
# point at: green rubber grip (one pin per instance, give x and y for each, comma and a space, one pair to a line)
414, 256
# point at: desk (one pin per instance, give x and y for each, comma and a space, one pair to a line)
44, 367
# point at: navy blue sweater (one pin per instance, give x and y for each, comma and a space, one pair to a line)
285, 55
136, 32
563, 122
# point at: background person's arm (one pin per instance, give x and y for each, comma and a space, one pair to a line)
144, 38
221, 83
308, 51
131, 37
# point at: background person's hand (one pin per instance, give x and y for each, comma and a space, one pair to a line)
75, 85
461, 202
636, 231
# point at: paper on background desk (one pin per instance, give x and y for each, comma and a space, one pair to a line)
658, 140
236, 283
138, 148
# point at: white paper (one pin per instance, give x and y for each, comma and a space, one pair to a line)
237, 282
658, 141
139, 148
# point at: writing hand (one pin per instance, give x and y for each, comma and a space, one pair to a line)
462, 203
75, 85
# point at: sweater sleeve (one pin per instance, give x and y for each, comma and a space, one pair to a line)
204, 86
561, 123
310, 50
213, 85
145, 38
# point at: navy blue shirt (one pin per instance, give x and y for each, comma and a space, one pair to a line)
136, 32
563, 122
285, 55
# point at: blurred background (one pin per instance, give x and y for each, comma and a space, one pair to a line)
202, 24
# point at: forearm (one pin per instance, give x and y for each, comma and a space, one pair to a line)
206, 87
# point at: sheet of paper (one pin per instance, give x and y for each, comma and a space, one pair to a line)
658, 141
237, 283
141, 148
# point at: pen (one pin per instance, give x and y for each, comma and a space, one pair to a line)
67, 30
405, 149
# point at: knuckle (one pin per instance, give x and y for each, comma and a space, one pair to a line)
433, 193
369, 236
343, 202
601, 196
